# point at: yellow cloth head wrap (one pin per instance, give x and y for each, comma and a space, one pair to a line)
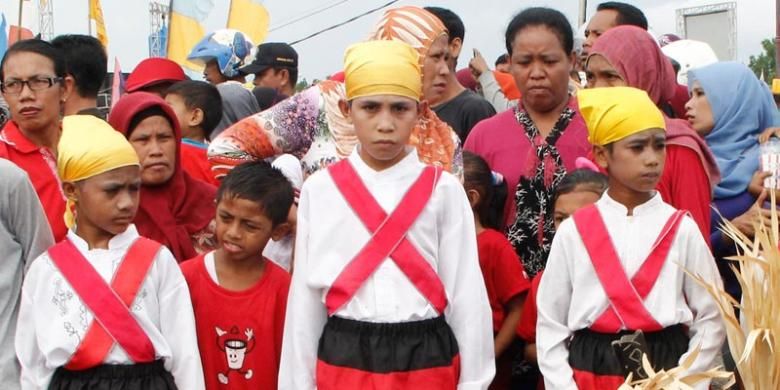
775, 86
382, 68
88, 147
616, 113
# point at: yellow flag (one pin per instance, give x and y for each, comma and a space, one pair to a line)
185, 29
249, 17
96, 14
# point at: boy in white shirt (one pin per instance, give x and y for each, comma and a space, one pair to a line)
387, 290
617, 266
105, 308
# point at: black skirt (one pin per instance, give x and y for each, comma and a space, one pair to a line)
142, 376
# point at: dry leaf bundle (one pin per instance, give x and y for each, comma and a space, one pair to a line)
674, 379
753, 342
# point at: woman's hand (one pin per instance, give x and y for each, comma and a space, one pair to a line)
756, 185
745, 223
768, 133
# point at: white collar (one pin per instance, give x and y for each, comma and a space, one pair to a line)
608, 204
410, 163
121, 240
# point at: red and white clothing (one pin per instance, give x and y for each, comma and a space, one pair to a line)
330, 235
239, 332
503, 273
41, 166
53, 319
571, 296
195, 162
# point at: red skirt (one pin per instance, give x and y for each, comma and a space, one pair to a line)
597, 367
409, 355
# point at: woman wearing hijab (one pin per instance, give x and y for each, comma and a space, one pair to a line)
730, 107
310, 125
629, 56
176, 210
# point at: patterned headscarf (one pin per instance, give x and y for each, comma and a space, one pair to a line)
414, 26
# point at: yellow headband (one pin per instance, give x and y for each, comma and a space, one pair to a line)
382, 68
616, 113
88, 147
776, 87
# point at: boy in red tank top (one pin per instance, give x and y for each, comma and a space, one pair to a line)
238, 296
616, 267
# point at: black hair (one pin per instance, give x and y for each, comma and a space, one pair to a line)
502, 59
451, 21
554, 20
581, 180
491, 187
85, 60
293, 75
259, 182
202, 95
675, 65
148, 112
627, 14
39, 47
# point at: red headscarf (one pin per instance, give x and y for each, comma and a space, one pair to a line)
172, 212
637, 57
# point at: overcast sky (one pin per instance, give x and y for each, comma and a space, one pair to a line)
127, 22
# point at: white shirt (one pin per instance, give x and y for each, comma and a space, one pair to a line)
329, 237
53, 320
571, 297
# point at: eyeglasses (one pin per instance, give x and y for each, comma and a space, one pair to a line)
14, 87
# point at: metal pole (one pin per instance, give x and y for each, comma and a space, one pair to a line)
777, 39
583, 10
89, 17
19, 30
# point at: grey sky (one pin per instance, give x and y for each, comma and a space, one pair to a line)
128, 27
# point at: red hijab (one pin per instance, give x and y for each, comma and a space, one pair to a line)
172, 212
636, 56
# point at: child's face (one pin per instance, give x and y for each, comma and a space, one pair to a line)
567, 204
107, 203
156, 145
243, 229
383, 124
189, 119
636, 162
212, 74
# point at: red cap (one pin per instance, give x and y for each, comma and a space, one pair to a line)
152, 71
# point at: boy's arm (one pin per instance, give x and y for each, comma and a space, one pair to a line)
553, 301
34, 373
707, 330
468, 312
26, 219
177, 324
306, 314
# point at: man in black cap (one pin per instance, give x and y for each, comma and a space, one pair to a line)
275, 66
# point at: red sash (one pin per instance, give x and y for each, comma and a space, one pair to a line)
626, 297
388, 237
113, 320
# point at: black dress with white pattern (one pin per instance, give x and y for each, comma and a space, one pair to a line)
533, 229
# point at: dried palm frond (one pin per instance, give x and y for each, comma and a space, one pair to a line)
753, 342
676, 378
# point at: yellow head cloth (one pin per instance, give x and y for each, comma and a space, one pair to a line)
775, 86
382, 68
88, 147
616, 113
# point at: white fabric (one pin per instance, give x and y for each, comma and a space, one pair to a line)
280, 252
53, 320
571, 297
330, 235
210, 261
492, 92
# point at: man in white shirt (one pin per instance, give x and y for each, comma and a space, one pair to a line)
387, 290
618, 266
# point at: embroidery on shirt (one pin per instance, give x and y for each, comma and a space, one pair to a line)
236, 346
61, 297
138, 302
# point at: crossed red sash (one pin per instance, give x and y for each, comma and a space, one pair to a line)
109, 304
388, 237
626, 297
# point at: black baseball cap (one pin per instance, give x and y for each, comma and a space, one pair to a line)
272, 55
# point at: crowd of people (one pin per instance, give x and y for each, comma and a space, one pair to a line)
401, 224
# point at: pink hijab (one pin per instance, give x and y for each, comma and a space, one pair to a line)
634, 53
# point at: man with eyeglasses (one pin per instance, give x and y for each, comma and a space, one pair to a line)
34, 84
